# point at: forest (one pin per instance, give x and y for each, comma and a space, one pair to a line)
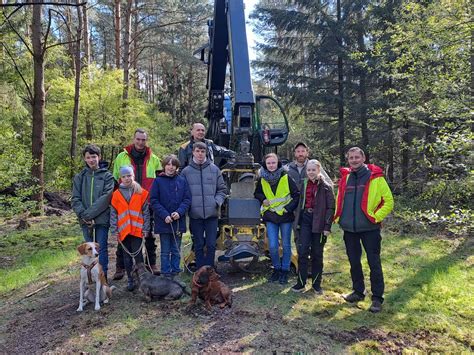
393, 77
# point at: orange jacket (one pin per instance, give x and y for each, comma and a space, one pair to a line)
129, 214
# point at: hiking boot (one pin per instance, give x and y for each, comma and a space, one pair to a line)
318, 290
353, 297
376, 306
130, 284
154, 270
283, 277
119, 273
299, 287
275, 276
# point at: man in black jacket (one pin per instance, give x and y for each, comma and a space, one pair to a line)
198, 132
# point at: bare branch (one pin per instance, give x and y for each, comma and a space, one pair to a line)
30, 94
12, 13
44, 3
62, 43
18, 34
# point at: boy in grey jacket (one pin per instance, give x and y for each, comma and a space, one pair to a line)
92, 190
208, 192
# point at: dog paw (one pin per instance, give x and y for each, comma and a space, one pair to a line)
79, 309
97, 308
106, 301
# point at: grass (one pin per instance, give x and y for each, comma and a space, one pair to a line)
30, 256
428, 302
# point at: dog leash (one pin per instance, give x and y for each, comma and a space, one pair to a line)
180, 250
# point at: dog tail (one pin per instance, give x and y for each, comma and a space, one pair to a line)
183, 286
108, 291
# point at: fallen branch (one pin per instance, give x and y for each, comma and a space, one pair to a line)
38, 290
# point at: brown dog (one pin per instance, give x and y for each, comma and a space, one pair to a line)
210, 289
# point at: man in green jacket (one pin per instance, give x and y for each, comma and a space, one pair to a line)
91, 194
145, 165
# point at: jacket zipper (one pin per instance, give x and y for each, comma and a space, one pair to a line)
202, 192
354, 204
92, 186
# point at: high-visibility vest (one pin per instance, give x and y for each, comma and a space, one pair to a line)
129, 214
279, 200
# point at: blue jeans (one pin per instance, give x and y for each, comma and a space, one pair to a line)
101, 236
272, 234
170, 253
199, 227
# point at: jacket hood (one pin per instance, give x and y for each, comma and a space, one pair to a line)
197, 166
129, 148
103, 166
376, 171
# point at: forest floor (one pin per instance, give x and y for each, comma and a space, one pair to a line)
428, 305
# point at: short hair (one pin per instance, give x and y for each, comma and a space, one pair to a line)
355, 149
199, 145
140, 130
91, 149
170, 158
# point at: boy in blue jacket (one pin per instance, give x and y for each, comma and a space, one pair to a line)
170, 199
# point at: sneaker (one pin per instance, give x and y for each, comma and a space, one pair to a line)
283, 277
317, 290
275, 276
376, 306
298, 287
119, 273
353, 297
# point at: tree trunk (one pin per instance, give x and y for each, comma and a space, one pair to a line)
135, 47
363, 93
104, 57
39, 98
70, 39
77, 88
126, 49
405, 153
86, 37
340, 89
117, 27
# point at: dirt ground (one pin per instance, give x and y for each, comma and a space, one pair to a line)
47, 321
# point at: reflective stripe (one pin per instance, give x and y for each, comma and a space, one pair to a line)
136, 224
277, 200
135, 213
121, 215
125, 224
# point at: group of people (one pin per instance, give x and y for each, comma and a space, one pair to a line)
145, 197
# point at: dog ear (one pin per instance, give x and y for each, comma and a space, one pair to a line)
82, 249
97, 246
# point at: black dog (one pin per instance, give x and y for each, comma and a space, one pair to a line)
158, 287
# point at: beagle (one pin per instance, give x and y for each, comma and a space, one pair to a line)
91, 272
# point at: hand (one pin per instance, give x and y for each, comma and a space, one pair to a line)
168, 219
89, 223
175, 215
327, 233
144, 234
266, 202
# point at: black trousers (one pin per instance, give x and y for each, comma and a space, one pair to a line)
132, 244
309, 243
371, 241
149, 245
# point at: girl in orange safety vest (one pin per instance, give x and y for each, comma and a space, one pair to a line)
130, 219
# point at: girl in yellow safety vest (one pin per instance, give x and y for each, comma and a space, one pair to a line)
279, 195
130, 219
